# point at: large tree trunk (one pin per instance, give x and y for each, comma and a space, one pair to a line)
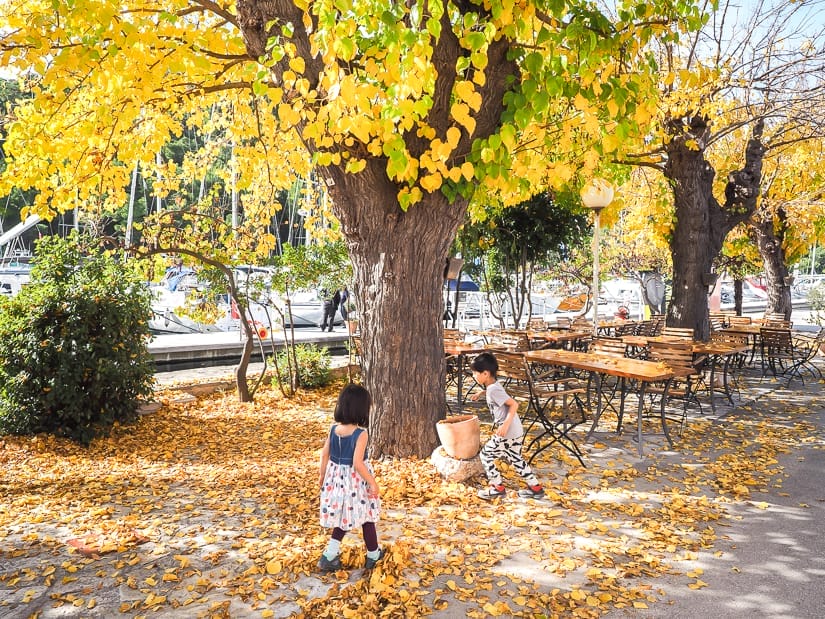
769, 242
398, 255
702, 223
398, 266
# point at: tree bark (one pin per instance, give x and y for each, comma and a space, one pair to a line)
397, 255
398, 270
702, 222
769, 241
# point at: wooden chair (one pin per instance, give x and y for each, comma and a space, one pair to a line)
682, 333
718, 320
808, 345
453, 336
509, 341
647, 327
739, 320
537, 324
658, 323
563, 322
629, 328
716, 324
542, 392
779, 355
679, 357
607, 385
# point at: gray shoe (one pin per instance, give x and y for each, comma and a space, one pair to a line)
536, 492
491, 492
370, 563
329, 565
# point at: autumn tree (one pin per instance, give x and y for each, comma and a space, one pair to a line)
406, 108
791, 212
730, 94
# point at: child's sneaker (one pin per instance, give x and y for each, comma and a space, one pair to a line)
532, 492
492, 492
329, 565
370, 563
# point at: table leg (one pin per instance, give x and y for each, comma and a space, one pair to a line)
460, 383
639, 418
598, 412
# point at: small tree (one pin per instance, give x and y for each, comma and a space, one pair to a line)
73, 344
520, 238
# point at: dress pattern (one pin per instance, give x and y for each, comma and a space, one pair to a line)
345, 500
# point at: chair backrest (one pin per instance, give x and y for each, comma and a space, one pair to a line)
646, 327
563, 322
581, 323
608, 346
739, 320
728, 338
511, 367
716, 324
453, 336
513, 341
674, 354
777, 323
683, 333
628, 328
718, 318
658, 324
773, 338
536, 323
774, 317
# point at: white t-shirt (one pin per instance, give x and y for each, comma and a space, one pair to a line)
496, 397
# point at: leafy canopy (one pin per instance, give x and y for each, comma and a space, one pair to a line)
352, 81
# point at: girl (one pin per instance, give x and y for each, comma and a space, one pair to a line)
349, 492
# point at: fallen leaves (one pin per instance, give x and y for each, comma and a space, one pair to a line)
211, 500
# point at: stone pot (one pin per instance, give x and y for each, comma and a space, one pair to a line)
460, 435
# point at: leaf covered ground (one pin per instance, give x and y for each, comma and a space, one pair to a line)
208, 508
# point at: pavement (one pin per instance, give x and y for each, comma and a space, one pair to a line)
766, 557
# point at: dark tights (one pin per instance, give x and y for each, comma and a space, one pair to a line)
370, 535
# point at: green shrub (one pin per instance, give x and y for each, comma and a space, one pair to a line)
313, 366
73, 344
816, 297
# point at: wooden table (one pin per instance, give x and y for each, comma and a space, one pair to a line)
642, 372
558, 336
461, 352
717, 352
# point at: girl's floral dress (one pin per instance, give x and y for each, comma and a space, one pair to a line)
345, 501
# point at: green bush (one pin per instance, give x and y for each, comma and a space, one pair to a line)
313, 366
73, 344
816, 297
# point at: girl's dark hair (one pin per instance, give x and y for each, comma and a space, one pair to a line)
485, 362
353, 406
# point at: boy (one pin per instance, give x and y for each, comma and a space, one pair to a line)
508, 433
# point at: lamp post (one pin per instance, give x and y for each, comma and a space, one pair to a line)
596, 195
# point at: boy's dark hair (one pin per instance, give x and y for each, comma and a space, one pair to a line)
353, 405
485, 362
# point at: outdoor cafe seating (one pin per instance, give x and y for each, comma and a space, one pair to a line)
554, 403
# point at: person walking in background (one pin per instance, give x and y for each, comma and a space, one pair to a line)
350, 496
508, 434
344, 302
330, 308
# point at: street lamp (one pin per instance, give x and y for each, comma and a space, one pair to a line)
596, 194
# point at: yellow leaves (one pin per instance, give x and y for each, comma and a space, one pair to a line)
431, 182
497, 609
461, 113
273, 566
153, 600
466, 92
